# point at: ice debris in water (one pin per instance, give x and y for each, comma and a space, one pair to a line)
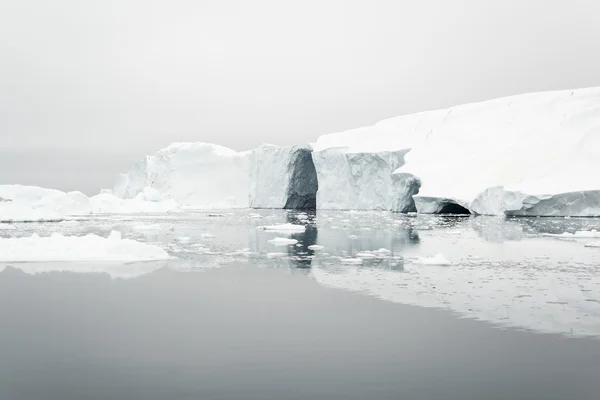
282, 241
283, 228
438, 259
78, 248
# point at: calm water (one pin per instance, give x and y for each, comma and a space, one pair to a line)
515, 314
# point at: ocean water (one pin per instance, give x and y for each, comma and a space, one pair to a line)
359, 305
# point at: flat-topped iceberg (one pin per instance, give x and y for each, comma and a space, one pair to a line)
531, 154
199, 175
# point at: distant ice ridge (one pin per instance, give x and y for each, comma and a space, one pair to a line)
531, 154
198, 175
32, 203
78, 248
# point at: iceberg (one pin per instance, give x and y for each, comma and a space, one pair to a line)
282, 177
526, 155
350, 180
196, 175
78, 248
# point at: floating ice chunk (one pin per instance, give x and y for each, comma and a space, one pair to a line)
351, 261
78, 248
438, 259
207, 236
276, 255
592, 244
315, 247
283, 228
366, 255
282, 241
578, 234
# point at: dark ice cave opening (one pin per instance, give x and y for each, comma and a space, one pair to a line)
302, 192
453, 208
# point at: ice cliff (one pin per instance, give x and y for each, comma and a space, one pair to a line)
531, 154
282, 177
199, 175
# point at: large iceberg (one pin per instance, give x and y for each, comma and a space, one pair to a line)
282, 177
199, 175
531, 154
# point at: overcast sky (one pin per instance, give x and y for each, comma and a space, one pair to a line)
88, 87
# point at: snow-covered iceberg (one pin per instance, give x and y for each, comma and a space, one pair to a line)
282, 177
199, 175
531, 154
78, 248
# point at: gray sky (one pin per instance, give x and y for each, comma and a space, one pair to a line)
89, 87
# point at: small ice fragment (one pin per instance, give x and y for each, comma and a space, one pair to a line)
282, 241
438, 259
283, 228
352, 261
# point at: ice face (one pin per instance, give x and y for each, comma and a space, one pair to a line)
359, 181
200, 175
282, 177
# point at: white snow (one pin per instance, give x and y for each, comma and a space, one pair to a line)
198, 175
282, 241
315, 247
536, 144
78, 248
290, 228
7, 227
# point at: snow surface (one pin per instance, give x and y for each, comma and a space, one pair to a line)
78, 248
32, 203
528, 147
198, 175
